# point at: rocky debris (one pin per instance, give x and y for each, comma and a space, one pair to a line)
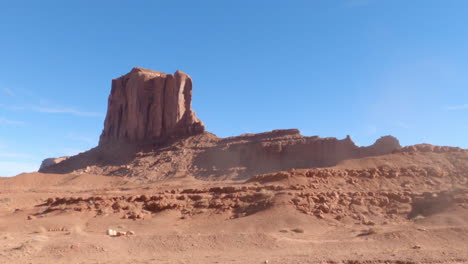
250, 199
241, 201
51, 161
115, 233
148, 106
429, 203
111, 232
297, 189
57, 229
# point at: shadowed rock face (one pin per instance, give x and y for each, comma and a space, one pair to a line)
206, 156
51, 161
148, 106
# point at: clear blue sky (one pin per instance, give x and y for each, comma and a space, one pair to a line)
361, 67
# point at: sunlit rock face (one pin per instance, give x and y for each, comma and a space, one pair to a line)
146, 105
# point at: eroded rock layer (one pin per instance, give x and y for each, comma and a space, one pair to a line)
206, 156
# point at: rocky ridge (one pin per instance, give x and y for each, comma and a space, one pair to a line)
332, 194
206, 156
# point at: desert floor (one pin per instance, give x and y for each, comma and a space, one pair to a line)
275, 234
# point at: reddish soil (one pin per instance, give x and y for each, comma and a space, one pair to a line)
407, 207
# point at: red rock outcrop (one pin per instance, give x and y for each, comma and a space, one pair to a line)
146, 105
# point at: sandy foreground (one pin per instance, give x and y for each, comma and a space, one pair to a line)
69, 229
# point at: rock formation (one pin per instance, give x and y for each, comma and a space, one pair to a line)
148, 106
51, 161
206, 156
283, 150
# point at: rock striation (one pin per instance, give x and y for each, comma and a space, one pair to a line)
148, 106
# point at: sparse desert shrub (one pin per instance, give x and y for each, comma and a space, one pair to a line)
297, 230
40, 229
5, 200
266, 195
368, 232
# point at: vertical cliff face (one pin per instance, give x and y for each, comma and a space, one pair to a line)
146, 105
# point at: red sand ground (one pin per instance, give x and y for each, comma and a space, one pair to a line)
407, 207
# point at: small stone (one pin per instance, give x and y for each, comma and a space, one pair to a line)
324, 208
31, 217
111, 232
368, 222
297, 230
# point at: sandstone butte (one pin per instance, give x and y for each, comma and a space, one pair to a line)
150, 108
146, 105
